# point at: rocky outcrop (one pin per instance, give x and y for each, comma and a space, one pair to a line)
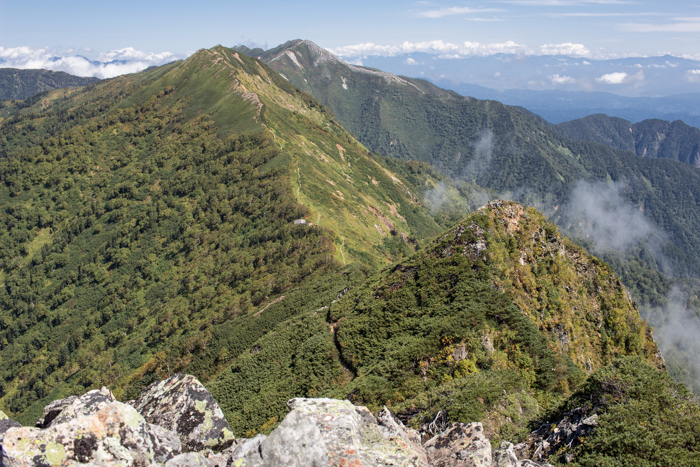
549, 438
113, 435
462, 445
333, 432
183, 405
70, 408
177, 423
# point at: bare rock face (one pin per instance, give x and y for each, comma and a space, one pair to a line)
462, 445
183, 405
70, 408
115, 434
322, 432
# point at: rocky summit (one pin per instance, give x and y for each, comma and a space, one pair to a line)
177, 423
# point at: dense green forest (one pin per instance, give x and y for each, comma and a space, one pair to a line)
141, 212
147, 226
652, 138
23, 84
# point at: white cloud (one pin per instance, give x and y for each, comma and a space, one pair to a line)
410, 61
693, 75
453, 11
567, 48
433, 47
104, 65
620, 77
556, 79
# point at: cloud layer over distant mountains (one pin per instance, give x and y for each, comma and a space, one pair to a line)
465, 49
103, 65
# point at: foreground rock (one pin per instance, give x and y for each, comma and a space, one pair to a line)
323, 432
177, 423
70, 408
5, 424
462, 445
113, 435
183, 405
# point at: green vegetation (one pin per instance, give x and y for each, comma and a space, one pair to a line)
22, 84
146, 217
651, 138
498, 147
645, 419
441, 331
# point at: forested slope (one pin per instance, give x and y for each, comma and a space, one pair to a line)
142, 212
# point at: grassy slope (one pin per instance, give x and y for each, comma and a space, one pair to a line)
492, 145
145, 214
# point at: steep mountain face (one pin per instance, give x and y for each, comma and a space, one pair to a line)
649, 138
143, 215
21, 84
499, 304
493, 146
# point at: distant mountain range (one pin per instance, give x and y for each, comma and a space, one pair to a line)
21, 84
562, 88
652, 138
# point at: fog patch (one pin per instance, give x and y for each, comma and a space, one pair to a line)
598, 211
436, 197
676, 331
483, 154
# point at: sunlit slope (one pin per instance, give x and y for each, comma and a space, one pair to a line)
144, 212
493, 321
494, 146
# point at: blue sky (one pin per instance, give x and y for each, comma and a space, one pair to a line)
619, 27
152, 32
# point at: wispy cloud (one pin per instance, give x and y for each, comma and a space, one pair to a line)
690, 24
567, 2
455, 11
604, 15
103, 65
433, 47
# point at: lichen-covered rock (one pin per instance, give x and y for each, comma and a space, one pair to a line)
392, 427
236, 451
462, 445
349, 435
189, 459
70, 408
52, 410
5, 424
182, 404
505, 456
295, 442
114, 435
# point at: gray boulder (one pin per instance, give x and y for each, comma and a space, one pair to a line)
190, 459
70, 408
296, 441
505, 456
329, 432
113, 435
462, 445
182, 404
